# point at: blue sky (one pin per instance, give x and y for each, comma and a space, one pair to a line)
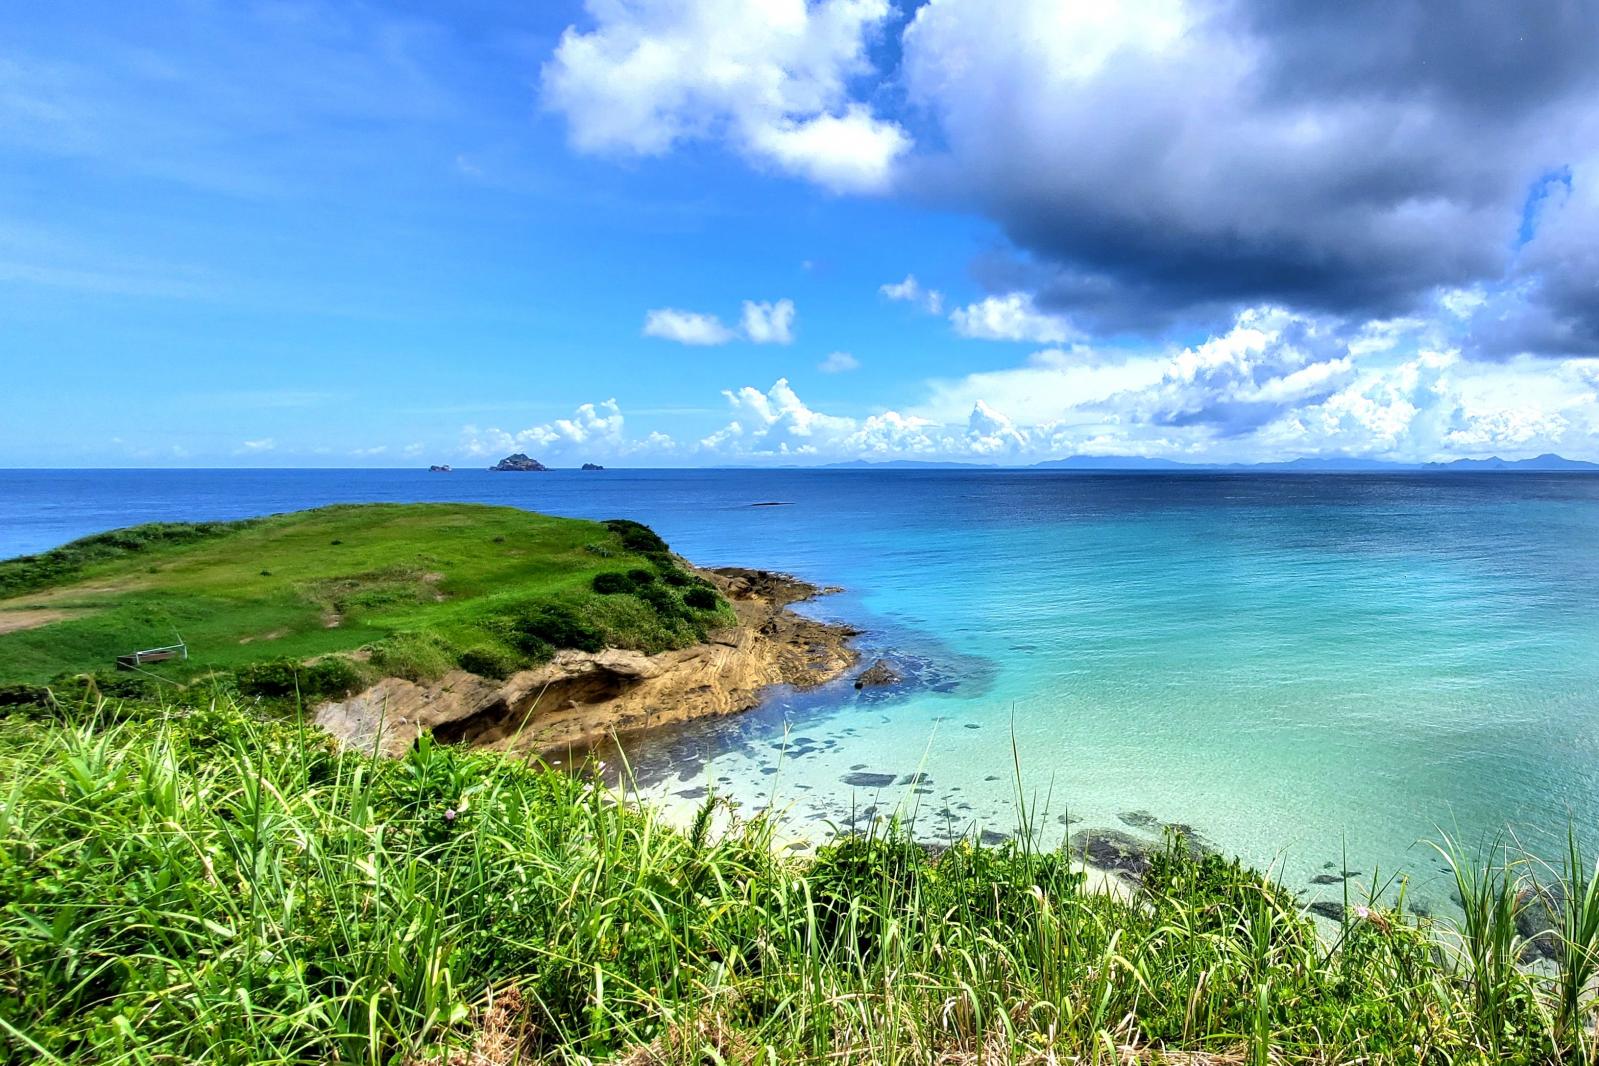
305, 234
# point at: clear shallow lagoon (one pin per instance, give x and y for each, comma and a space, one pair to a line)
1289, 664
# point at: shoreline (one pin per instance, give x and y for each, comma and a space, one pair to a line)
581, 699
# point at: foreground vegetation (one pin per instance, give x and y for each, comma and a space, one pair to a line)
359, 592
204, 884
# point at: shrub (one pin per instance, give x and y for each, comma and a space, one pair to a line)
700, 598
331, 677
488, 661
415, 656
675, 577
612, 583
536, 628
272, 679
640, 576
637, 537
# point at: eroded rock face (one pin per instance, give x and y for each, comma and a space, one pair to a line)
579, 698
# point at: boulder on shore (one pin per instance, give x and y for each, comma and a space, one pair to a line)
878, 674
518, 462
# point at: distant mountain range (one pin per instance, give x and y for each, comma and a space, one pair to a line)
1110, 463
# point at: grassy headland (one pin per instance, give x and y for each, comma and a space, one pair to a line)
386, 590
198, 884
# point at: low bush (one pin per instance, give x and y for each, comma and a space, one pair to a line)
612, 583
414, 656
637, 537
488, 661
701, 598
331, 677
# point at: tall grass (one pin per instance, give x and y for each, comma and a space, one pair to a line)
198, 885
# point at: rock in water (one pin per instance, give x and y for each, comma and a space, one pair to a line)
592, 466
867, 780
878, 674
436, 468
518, 462
1113, 850
1538, 921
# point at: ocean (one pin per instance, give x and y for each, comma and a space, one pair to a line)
1299, 667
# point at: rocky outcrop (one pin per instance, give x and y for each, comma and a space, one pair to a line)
440, 469
592, 466
580, 698
519, 462
877, 675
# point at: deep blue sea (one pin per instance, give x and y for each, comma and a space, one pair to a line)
1293, 665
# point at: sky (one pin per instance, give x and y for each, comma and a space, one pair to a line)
729, 232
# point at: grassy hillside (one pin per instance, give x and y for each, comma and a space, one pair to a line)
190, 885
415, 589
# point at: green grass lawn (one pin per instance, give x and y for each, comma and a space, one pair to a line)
418, 586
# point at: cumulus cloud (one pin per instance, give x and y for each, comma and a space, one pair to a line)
597, 429
771, 79
761, 323
912, 291
839, 363
686, 327
1011, 318
769, 323
1275, 384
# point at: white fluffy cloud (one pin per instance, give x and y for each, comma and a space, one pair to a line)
912, 291
769, 323
1275, 384
771, 78
1012, 317
761, 323
593, 429
686, 327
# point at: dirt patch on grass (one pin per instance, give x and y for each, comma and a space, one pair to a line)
17, 621
274, 635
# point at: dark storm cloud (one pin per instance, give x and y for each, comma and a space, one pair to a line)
1345, 158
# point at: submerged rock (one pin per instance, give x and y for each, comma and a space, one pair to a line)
1139, 819
1113, 850
868, 780
1328, 909
877, 675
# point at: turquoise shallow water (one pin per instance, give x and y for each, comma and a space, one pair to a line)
1291, 665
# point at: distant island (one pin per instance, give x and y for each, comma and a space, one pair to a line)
520, 463
1547, 463
592, 466
438, 469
